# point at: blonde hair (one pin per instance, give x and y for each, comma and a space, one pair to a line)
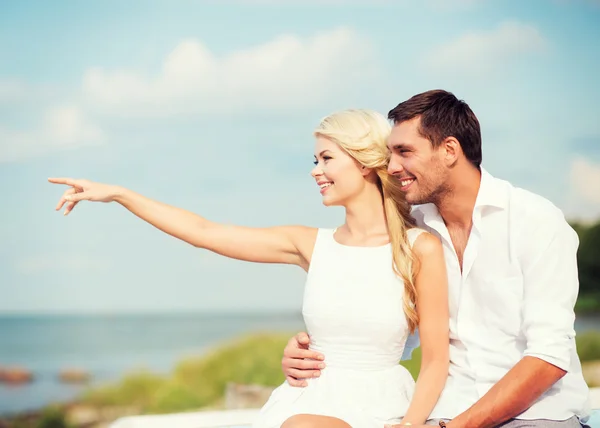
363, 135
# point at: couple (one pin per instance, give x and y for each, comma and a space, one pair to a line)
486, 272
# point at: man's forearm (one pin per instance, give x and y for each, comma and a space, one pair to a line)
511, 396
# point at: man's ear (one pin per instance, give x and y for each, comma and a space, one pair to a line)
452, 150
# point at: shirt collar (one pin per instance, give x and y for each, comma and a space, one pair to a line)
491, 193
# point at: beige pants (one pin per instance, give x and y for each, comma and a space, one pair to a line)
535, 423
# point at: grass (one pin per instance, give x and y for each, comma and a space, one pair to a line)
136, 389
200, 382
414, 364
50, 417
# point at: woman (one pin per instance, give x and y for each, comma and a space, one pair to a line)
364, 281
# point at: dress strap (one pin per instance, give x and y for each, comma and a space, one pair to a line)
323, 246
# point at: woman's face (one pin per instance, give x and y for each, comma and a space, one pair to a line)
338, 175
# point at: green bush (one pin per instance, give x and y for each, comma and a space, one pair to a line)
588, 263
414, 364
199, 381
174, 396
254, 359
18, 422
135, 389
588, 304
52, 417
588, 346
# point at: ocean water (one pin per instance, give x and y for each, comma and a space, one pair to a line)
109, 346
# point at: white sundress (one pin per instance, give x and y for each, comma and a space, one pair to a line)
353, 313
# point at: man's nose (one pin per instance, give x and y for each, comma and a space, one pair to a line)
394, 166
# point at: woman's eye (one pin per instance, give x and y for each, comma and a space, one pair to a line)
325, 159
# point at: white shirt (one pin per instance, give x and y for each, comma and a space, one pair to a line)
514, 298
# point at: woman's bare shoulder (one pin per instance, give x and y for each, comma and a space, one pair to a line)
425, 243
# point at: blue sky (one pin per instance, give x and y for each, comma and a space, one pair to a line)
210, 105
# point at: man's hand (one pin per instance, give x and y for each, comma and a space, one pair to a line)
514, 393
299, 363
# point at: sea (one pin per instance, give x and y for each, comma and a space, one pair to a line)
109, 346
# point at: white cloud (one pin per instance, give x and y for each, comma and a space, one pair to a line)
287, 72
585, 180
62, 127
20, 93
68, 126
485, 52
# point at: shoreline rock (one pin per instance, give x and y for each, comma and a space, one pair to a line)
15, 375
74, 376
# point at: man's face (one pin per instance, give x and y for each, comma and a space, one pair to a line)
417, 164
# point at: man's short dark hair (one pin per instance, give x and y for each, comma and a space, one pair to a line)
443, 115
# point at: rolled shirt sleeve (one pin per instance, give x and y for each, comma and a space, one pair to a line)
550, 287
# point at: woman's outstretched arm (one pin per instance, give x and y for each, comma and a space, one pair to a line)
283, 244
432, 307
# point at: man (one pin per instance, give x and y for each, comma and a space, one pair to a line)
512, 271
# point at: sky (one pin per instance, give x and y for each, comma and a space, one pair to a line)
210, 106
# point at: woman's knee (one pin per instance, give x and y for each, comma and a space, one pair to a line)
314, 421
